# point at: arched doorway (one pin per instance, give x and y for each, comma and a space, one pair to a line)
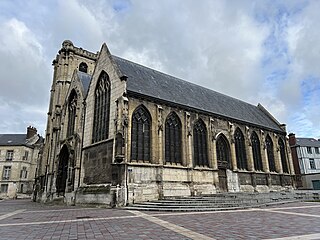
223, 158
62, 173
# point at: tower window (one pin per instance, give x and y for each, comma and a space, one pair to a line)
83, 67
72, 108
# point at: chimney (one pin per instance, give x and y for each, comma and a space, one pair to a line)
31, 131
292, 139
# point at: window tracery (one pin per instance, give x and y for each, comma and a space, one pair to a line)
173, 139
101, 109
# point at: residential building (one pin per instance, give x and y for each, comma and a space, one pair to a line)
306, 159
18, 161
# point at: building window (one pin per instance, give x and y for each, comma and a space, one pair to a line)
312, 163
83, 67
24, 172
6, 173
9, 155
316, 149
72, 108
26, 154
270, 154
101, 109
283, 156
240, 150
200, 144
4, 188
309, 150
223, 152
173, 139
256, 152
141, 134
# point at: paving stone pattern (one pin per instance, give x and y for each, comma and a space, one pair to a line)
23, 219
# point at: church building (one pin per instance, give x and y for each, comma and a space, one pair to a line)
119, 132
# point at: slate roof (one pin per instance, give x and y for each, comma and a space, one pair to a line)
155, 84
12, 139
308, 142
85, 80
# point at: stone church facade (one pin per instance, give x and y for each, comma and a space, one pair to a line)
119, 133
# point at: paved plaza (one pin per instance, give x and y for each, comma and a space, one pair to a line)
23, 219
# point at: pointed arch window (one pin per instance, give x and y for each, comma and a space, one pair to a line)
270, 154
72, 109
223, 152
256, 152
83, 67
173, 139
283, 156
101, 108
141, 134
200, 144
240, 150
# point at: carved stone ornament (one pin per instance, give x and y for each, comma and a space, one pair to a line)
125, 112
188, 124
212, 129
160, 119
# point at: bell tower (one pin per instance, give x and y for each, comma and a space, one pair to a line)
68, 59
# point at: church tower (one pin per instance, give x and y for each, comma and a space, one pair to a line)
68, 59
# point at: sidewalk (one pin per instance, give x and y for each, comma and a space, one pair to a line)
23, 219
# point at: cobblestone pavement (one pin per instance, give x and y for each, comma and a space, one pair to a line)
23, 219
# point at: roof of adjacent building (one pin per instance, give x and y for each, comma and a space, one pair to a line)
12, 139
308, 142
85, 79
19, 140
151, 83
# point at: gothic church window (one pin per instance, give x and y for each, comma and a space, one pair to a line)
72, 108
256, 152
101, 108
240, 150
223, 152
141, 134
283, 156
270, 154
83, 67
200, 144
173, 139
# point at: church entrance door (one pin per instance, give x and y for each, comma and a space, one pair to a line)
62, 170
223, 185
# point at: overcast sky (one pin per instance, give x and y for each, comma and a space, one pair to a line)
264, 52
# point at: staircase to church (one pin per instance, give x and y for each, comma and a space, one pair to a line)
218, 202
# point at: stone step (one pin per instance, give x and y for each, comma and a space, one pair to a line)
148, 205
223, 201
187, 209
198, 203
199, 208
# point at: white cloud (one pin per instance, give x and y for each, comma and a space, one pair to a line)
23, 72
252, 50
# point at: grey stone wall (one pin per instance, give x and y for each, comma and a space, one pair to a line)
97, 163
